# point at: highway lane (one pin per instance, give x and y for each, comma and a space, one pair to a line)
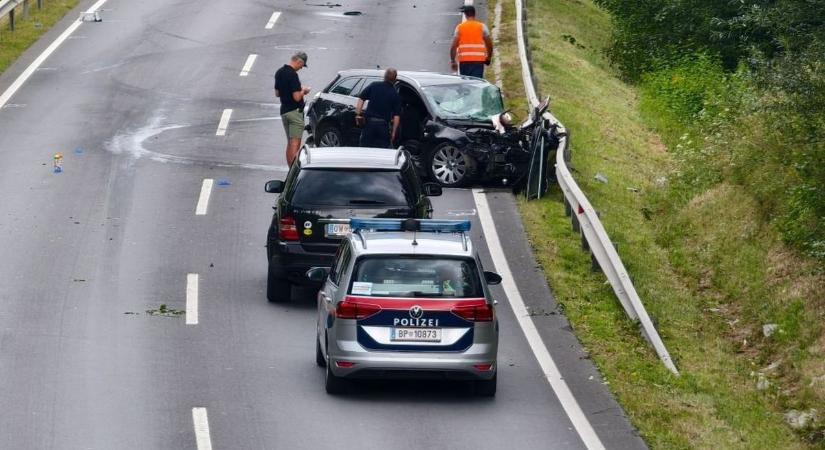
134, 104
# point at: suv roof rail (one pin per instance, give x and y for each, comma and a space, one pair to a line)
304, 149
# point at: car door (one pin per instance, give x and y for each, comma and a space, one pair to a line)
342, 106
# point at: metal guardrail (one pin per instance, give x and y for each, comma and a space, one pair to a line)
584, 217
8, 7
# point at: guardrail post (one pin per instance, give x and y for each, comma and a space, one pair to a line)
11, 20
575, 220
39, 4
568, 210
25, 9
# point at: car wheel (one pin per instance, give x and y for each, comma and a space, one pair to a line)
329, 135
319, 357
486, 388
334, 385
449, 165
278, 290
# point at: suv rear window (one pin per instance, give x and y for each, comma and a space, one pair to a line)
410, 276
336, 187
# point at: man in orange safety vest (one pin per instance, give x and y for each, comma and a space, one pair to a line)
472, 46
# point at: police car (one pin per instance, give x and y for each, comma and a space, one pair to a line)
407, 298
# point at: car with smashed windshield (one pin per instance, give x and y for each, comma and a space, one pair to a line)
454, 126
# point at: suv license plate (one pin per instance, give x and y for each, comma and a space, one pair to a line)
415, 334
337, 229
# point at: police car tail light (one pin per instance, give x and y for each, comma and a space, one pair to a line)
474, 313
287, 231
352, 308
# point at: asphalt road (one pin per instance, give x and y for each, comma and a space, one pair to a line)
134, 103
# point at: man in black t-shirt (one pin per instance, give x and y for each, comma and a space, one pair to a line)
289, 89
384, 107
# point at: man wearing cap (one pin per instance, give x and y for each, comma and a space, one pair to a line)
383, 112
472, 45
289, 89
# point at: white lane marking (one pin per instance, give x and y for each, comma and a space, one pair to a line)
548, 366
192, 298
224, 123
203, 200
248, 65
201, 422
272, 20
4, 98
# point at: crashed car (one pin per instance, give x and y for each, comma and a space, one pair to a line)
455, 127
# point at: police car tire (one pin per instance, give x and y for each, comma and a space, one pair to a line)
486, 388
334, 385
278, 290
319, 357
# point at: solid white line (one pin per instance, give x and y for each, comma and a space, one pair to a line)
4, 98
248, 65
192, 299
224, 123
203, 200
272, 20
548, 366
201, 422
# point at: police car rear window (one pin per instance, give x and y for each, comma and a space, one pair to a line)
424, 277
350, 188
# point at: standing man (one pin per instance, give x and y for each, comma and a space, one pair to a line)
289, 89
384, 107
472, 45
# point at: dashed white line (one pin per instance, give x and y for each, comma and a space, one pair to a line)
203, 199
201, 422
248, 65
224, 123
548, 366
192, 298
5, 96
272, 20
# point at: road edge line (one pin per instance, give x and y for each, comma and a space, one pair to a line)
200, 421
548, 365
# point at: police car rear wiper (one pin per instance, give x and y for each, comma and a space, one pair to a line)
366, 202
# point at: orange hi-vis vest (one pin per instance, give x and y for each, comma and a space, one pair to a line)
471, 46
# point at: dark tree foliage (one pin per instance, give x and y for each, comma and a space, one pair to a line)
779, 47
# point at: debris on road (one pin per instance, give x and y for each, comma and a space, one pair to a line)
600, 177
769, 329
165, 311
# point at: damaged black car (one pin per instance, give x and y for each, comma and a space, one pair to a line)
455, 127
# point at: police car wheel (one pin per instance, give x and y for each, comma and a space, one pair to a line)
334, 385
449, 165
319, 357
329, 136
278, 290
486, 388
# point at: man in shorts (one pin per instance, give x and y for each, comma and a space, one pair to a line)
289, 90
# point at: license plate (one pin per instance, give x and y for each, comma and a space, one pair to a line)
415, 334
337, 229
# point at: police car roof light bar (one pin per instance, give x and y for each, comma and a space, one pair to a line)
425, 225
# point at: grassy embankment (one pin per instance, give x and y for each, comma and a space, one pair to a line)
708, 265
29, 29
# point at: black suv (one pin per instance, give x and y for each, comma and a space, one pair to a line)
324, 188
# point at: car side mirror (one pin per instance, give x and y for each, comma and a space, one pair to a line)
318, 274
432, 190
274, 186
492, 278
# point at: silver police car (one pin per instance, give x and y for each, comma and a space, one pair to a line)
407, 298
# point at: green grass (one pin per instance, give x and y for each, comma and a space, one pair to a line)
708, 268
28, 30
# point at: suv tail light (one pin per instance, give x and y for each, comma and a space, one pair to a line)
287, 231
351, 308
474, 313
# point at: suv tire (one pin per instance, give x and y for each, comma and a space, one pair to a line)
449, 165
278, 290
328, 135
